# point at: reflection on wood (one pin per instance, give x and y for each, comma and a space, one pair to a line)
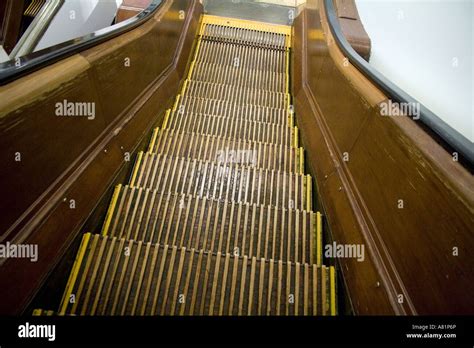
131, 8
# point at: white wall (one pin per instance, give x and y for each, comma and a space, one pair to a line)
426, 48
77, 18
3, 55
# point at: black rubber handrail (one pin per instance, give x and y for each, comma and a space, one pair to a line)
11, 70
447, 136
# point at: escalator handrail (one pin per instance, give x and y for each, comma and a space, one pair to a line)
12, 70
436, 127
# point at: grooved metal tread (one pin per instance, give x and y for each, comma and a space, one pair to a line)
209, 224
235, 128
236, 94
216, 107
225, 54
117, 277
227, 150
222, 181
245, 36
238, 76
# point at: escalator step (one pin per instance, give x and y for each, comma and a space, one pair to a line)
224, 181
217, 149
239, 76
236, 94
245, 36
233, 128
249, 112
117, 277
202, 223
247, 57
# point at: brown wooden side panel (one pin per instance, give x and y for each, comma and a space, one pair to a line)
352, 27
362, 279
420, 237
131, 79
410, 247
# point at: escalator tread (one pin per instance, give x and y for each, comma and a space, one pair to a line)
222, 180
220, 149
119, 277
215, 225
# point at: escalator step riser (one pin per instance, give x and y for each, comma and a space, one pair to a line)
201, 223
237, 95
214, 107
238, 76
245, 36
230, 55
135, 278
217, 149
232, 128
222, 181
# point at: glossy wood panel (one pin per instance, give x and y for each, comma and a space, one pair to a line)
131, 79
353, 28
411, 265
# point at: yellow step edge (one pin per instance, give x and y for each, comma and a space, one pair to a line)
166, 119
196, 54
301, 153
198, 46
247, 24
191, 68
290, 119
74, 272
319, 249
325, 289
295, 137
185, 86
175, 106
135, 169
332, 280
110, 211
287, 87
309, 192
202, 27
42, 313
291, 114
153, 139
